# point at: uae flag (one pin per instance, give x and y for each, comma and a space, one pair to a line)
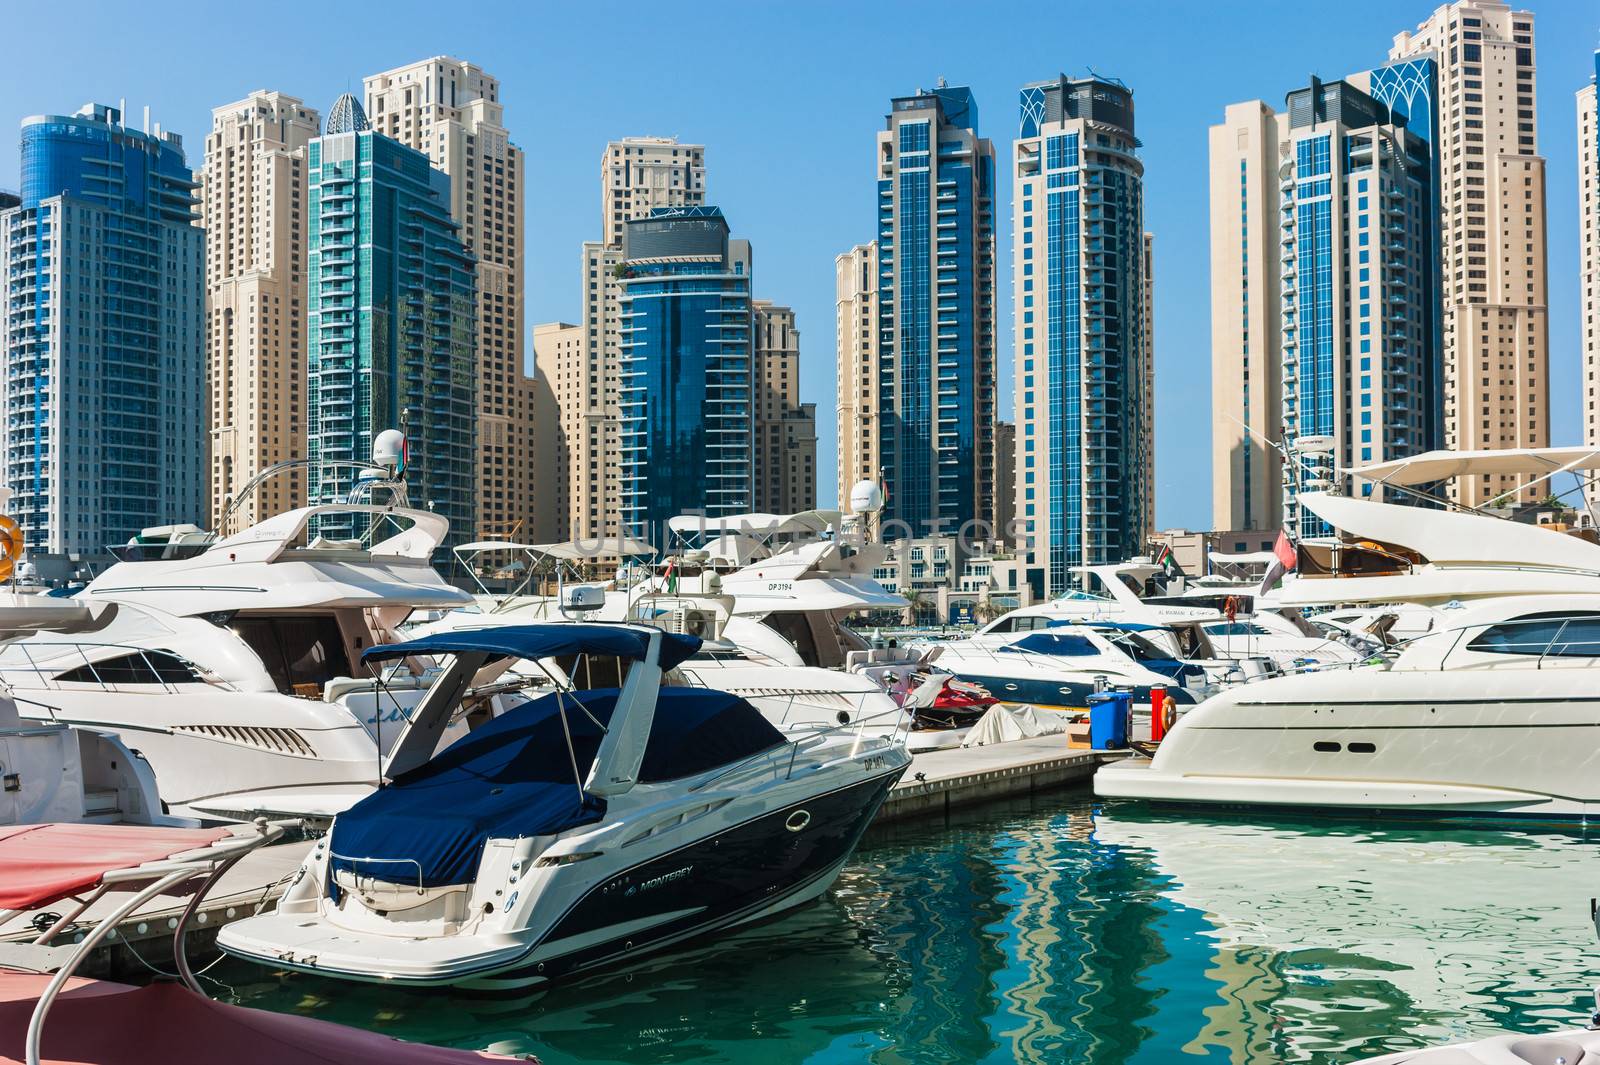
1284, 560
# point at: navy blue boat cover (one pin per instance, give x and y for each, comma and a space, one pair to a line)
544, 641
513, 777
1066, 644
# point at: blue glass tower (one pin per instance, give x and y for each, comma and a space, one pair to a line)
1362, 358
102, 350
1079, 272
391, 322
936, 332
686, 369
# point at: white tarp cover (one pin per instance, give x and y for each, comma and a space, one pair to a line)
1003, 723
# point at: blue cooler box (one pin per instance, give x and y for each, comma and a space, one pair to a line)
1109, 716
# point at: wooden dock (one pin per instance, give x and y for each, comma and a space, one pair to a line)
940, 780
145, 938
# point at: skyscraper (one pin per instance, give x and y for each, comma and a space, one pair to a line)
1147, 308
935, 352
558, 353
1589, 251
102, 353
1246, 392
1079, 288
252, 205
391, 320
450, 111
686, 373
856, 355
1359, 291
785, 460
637, 175
1492, 223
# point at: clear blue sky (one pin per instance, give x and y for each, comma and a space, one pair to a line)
787, 98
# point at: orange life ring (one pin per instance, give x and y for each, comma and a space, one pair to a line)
1169, 714
10, 546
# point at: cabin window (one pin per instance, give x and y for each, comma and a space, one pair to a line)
1556, 634
147, 667
301, 653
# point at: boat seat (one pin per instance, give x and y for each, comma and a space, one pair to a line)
513, 778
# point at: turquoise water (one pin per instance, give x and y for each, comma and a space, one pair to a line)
1064, 930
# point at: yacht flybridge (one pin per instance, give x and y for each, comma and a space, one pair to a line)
1491, 712
582, 828
233, 665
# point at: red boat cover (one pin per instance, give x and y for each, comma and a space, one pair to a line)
167, 1024
42, 863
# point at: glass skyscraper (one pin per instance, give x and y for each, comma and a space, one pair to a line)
101, 355
935, 346
1361, 342
686, 369
1083, 462
391, 320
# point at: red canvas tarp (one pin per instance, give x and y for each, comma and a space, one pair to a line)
42, 863
167, 1024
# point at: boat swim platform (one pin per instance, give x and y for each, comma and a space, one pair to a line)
144, 939
938, 781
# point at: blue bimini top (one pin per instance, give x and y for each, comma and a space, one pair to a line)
534, 642
513, 777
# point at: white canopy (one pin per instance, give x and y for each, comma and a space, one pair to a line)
599, 547
810, 521
1443, 465
1244, 558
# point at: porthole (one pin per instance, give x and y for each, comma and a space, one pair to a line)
1326, 747
1363, 748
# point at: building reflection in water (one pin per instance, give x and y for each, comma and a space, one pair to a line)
1055, 932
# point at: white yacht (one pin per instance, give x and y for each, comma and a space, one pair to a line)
51, 771
576, 830
1490, 712
770, 614
232, 665
1058, 668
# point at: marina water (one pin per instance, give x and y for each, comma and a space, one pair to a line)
1062, 929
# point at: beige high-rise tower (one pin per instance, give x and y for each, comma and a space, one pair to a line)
855, 318
558, 353
253, 208
1589, 254
785, 452
637, 175
1246, 492
1492, 233
450, 110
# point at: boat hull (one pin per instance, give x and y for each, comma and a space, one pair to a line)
742, 873
1505, 744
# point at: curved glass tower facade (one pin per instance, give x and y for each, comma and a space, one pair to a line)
686, 366
103, 340
391, 324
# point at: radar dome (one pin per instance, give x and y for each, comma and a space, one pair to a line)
866, 498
